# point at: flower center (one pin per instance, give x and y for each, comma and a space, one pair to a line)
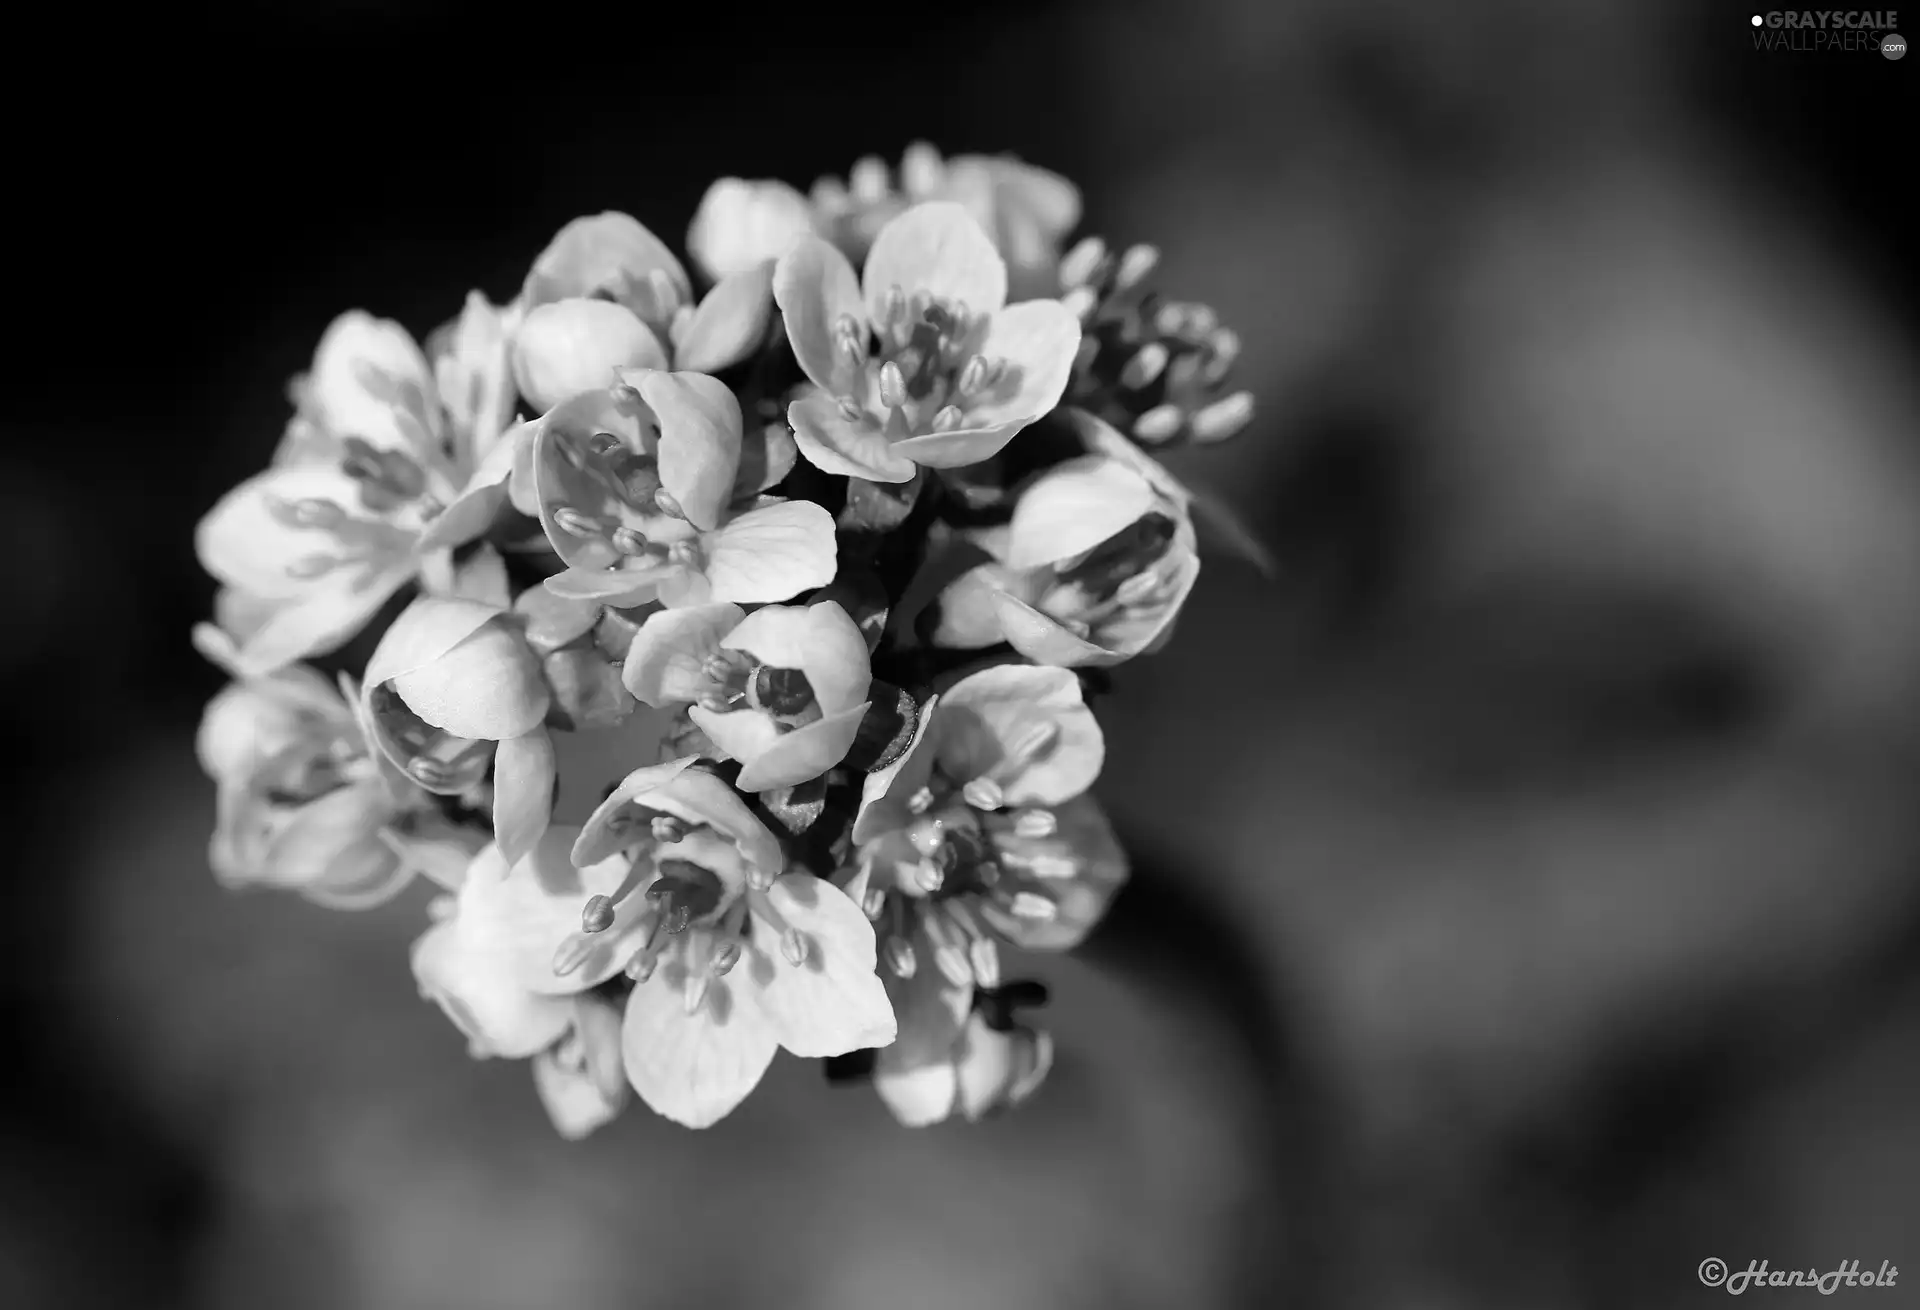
929, 371
1131, 574
737, 680
633, 521
432, 757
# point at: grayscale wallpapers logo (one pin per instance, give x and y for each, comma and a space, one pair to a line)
1822, 30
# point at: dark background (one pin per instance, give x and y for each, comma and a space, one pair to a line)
1526, 906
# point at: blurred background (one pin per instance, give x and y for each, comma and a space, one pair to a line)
1526, 905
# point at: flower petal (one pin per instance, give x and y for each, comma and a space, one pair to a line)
254, 540
806, 752
771, 553
848, 447
487, 687
474, 378
1038, 339
821, 640
694, 1068
699, 440
317, 623
598, 839
815, 286
730, 323
523, 778
1073, 507
369, 380
569, 346
988, 722
883, 796
915, 1075
499, 1018
938, 248
425, 630
664, 663
606, 254
519, 914
959, 448
741, 734
482, 576
998, 1070
831, 1002
1042, 639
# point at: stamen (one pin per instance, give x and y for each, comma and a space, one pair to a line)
850, 409
573, 521
1035, 825
1082, 262
898, 953
921, 171
893, 385
629, 542
696, 993
668, 829
947, 419
1161, 423
973, 375
984, 793
867, 180
597, 914
984, 956
793, 945
1052, 868
686, 554
1081, 302
313, 566
929, 876
316, 513
1138, 588
893, 306
1034, 906
1135, 266
1144, 367
875, 902
664, 502
724, 959
428, 772
1223, 418
921, 801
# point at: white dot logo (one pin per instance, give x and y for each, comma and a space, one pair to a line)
1757, 20
1893, 45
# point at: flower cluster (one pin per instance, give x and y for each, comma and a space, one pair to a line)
718, 648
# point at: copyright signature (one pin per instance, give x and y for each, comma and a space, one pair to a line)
1714, 1272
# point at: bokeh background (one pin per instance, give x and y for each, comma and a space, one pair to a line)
1526, 904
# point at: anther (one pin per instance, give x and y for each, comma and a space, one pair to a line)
984, 794
313, 566
947, 419
1052, 868
846, 328
724, 959
850, 409
316, 513
1081, 302
921, 801
597, 914
1223, 418
1135, 266
1034, 906
1035, 825
899, 957
874, 902
664, 502
760, 879
973, 375
668, 828
573, 521
1077, 269
428, 772
685, 553
953, 965
893, 306
1161, 423
629, 542
1144, 367
984, 956
867, 180
893, 385
793, 945
921, 171
1139, 588
929, 876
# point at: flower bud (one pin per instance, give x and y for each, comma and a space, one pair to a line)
740, 224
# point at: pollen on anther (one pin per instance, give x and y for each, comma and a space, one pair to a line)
573, 521
947, 419
597, 914
628, 541
1035, 824
893, 385
984, 794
